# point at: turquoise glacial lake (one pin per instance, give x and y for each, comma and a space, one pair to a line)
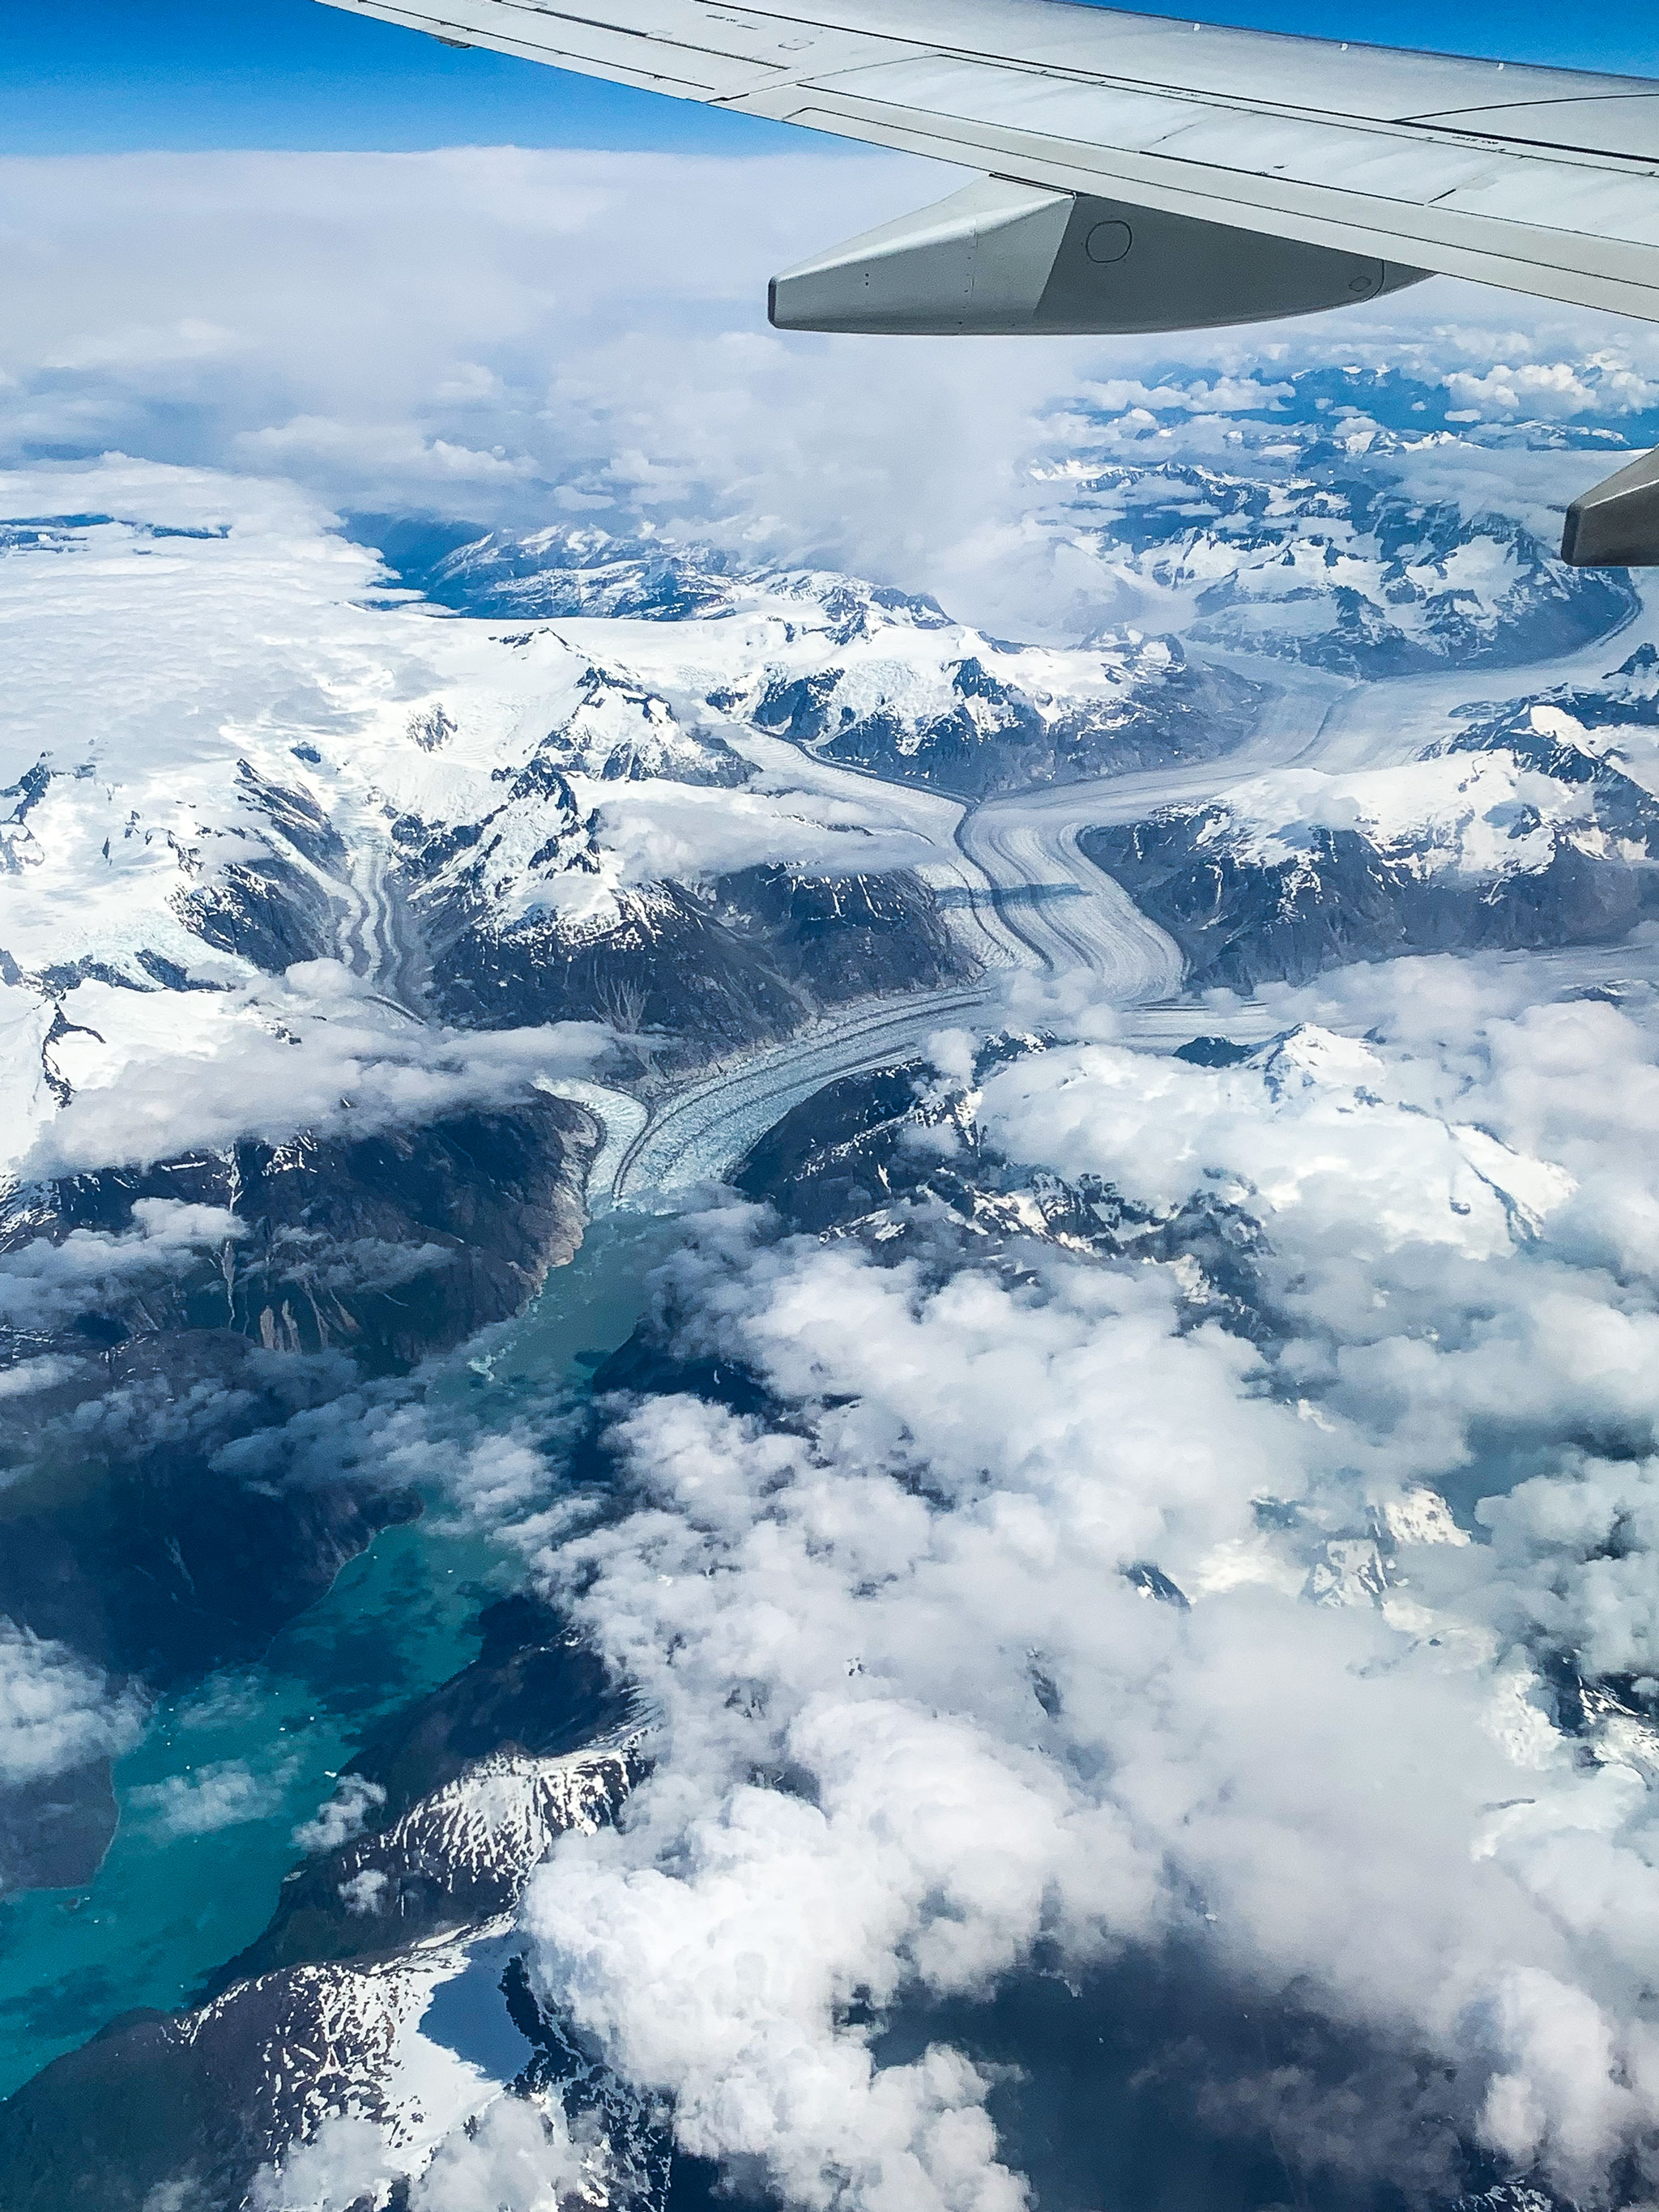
167, 1907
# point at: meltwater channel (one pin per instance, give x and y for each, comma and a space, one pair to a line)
168, 1906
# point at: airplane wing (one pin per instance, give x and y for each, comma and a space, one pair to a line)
1543, 180
1145, 174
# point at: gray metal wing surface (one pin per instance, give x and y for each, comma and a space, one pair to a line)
1140, 173
1543, 180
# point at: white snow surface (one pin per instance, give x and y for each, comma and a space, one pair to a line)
1476, 815
146, 669
364, 2045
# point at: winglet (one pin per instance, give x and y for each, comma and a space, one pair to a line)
1616, 524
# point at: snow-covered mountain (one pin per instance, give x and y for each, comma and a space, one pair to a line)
631, 814
1579, 729
1531, 824
332, 905
1338, 570
414, 2040
1311, 531
366, 778
880, 678
572, 570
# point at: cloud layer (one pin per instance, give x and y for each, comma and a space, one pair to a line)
584, 334
925, 1730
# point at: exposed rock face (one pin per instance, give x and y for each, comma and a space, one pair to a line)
364, 1995
1576, 732
195, 1473
980, 730
197, 2103
1520, 832
883, 679
388, 1247
284, 903
386, 1952
1313, 547
751, 958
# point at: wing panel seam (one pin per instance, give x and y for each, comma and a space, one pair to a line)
1213, 195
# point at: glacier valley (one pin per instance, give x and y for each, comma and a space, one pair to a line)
811, 1408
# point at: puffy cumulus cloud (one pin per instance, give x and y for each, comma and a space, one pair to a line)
365, 1892
1386, 1749
1464, 1200
516, 2159
1603, 385
1304, 1129
345, 2162
45, 1285
44, 1373
57, 1712
345, 1815
514, 2156
1226, 395
223, 1794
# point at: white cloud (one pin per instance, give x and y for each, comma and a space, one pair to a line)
513, 2157
682, 834
223, 1794
1552, 390
537, 329
363, 1893
345, 1815
316, 1050
42, 1374
919, 1727
43, 1284
517, 2159
346, 2161
57, 1711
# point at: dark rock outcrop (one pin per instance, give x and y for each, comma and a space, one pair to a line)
1241, 923
385, 1247
201, 1466
753, 958
995, 737
535, 1691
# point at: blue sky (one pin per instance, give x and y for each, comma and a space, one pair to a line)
109, 76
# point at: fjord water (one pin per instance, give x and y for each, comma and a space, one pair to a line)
260, 1746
